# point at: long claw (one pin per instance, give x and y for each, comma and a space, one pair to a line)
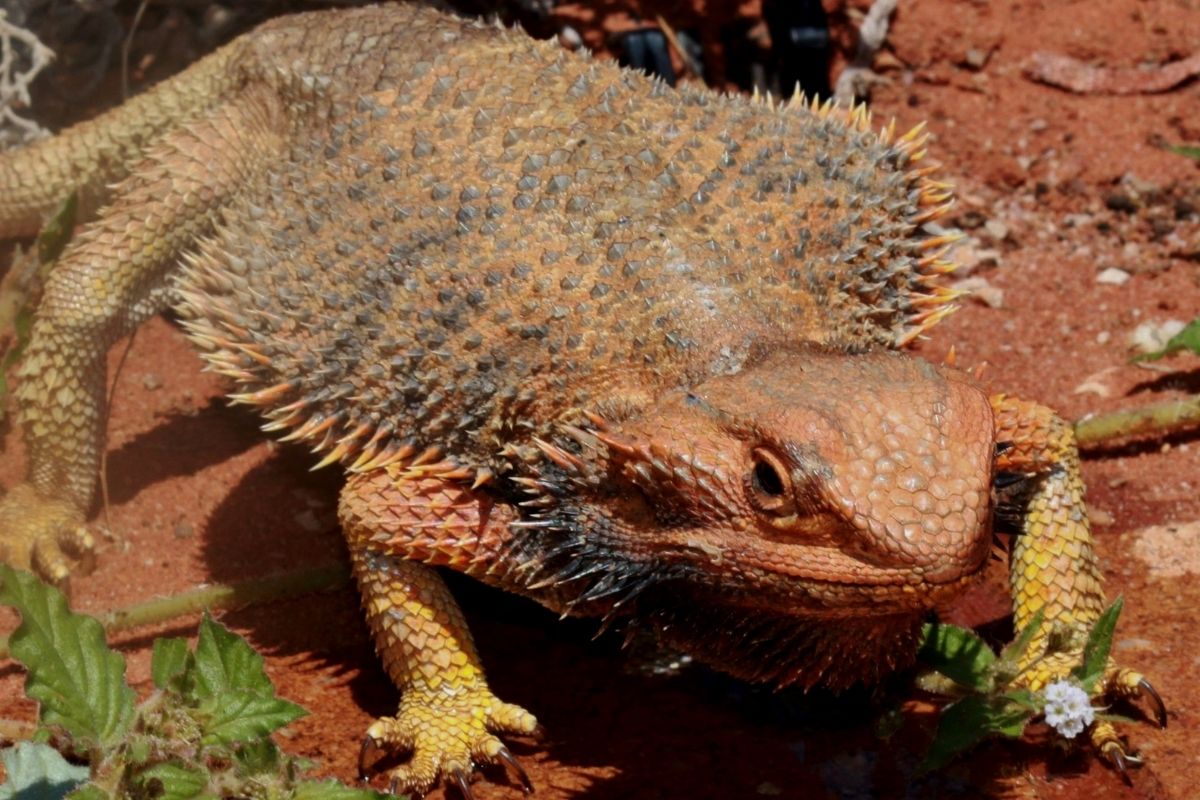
508, 758
1160, 708
394, 787
1118, 761
367, 749
464, 786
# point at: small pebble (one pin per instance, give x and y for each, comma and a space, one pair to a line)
1113, 276
1120, 201
183, 530
307, 521
151, 381
976, 58
569, 38
982, 291
996, 229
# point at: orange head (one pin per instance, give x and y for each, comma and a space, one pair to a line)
836, 495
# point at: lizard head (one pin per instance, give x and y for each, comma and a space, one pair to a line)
814, 488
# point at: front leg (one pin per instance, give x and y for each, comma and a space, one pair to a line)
448, 716
1053, 567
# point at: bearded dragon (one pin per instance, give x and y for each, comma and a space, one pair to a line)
630, 351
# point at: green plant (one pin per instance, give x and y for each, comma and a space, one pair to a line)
990, 700
204, 732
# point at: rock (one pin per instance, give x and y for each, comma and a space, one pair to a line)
1038, 125
1121, 201
1152, 335
982, 291
1171, 550
183, 530
1096, 383
151, 381
307, 521
1113, 276
569, 38
970, 257
976, 58
996, 229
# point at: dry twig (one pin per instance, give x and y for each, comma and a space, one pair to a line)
22, 58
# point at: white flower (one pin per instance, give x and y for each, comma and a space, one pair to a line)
1068, 708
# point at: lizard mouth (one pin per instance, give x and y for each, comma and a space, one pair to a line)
829, 582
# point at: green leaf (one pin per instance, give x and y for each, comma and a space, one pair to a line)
958, 654
171, 658
968, 722
1186, 339
56, 233
170, 781
332, 790
1017, 648
1032, 701
38, 772
260, 755
239, 702
1185, 150
242, 715
1099, 644
78, 681
224, 662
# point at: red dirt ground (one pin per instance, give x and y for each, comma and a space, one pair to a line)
198, 496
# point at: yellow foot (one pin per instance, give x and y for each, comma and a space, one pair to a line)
44, 534
1128, 684
448, 735
1116, 683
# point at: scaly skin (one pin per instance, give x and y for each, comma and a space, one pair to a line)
625, 350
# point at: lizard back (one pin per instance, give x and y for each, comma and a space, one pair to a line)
487, 235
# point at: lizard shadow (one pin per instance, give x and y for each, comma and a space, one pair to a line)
182, 444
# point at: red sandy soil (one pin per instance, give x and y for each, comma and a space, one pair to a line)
198, 496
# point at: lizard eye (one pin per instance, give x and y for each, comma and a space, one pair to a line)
769, 485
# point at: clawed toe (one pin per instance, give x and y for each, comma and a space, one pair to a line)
1116, 757
1160, 708
446, 738
509, 760
44, 534
464, 786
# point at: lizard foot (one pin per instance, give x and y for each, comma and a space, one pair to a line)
1117, 683
448, 736
46, 535
1123, 683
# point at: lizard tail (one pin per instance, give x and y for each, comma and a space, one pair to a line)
92, 155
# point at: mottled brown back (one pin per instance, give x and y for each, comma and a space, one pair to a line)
493, 234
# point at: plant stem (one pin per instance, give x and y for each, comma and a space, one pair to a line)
1157, 418
258, 590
